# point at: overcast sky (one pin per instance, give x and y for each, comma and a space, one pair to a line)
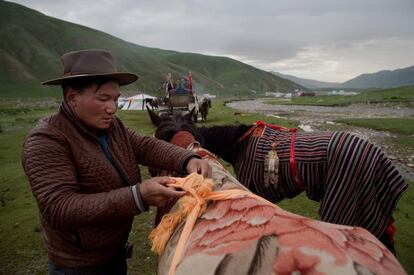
328, 40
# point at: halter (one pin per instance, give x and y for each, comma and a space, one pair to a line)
186, 140
183, 139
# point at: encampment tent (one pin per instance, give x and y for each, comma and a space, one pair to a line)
121, 101
136, 102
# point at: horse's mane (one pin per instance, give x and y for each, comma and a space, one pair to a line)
171, 124
220, 138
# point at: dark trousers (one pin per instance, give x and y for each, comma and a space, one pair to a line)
118, 266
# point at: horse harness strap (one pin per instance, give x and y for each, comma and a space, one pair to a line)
245, 135
293, 164
272, 155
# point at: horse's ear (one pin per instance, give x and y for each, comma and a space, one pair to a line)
155, 119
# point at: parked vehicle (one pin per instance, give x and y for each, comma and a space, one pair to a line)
180, 96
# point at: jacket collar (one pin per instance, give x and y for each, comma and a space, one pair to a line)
75, 120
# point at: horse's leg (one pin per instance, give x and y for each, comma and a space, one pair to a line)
385, 239
388, 237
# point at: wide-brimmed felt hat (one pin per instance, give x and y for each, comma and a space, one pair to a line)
90, 63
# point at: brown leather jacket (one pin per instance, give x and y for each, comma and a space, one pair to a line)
85, 209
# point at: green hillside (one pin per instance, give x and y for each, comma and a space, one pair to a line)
31, 45
382, 79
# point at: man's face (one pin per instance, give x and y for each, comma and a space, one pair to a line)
96, 107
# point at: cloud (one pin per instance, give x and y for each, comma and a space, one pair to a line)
326, 40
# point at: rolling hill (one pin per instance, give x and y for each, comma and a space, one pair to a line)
308, 83
32, 44
382, 79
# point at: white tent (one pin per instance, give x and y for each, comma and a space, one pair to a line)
121, 101
136, 102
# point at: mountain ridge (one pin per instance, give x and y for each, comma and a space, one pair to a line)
33, 43
308, 83
383, 79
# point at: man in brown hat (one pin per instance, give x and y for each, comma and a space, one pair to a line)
82, 164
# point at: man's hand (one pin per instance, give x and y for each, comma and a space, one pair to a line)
199, 166
155, 192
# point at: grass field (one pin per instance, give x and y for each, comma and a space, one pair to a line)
401, 94
22, 251
403, 126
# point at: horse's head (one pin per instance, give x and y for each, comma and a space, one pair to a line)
206, 102
209, 102
222, 140
169, 125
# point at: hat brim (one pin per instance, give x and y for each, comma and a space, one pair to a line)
123, 78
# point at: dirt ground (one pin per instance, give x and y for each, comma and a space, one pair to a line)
318, 118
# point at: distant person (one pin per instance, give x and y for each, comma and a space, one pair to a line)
184, 84
170, 88
82, 164
181, 86
177, 85
190, 82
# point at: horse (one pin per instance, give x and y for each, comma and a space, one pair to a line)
241, 233
152, 102
355, 183
204, 105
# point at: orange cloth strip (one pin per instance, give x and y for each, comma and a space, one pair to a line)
192, 206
